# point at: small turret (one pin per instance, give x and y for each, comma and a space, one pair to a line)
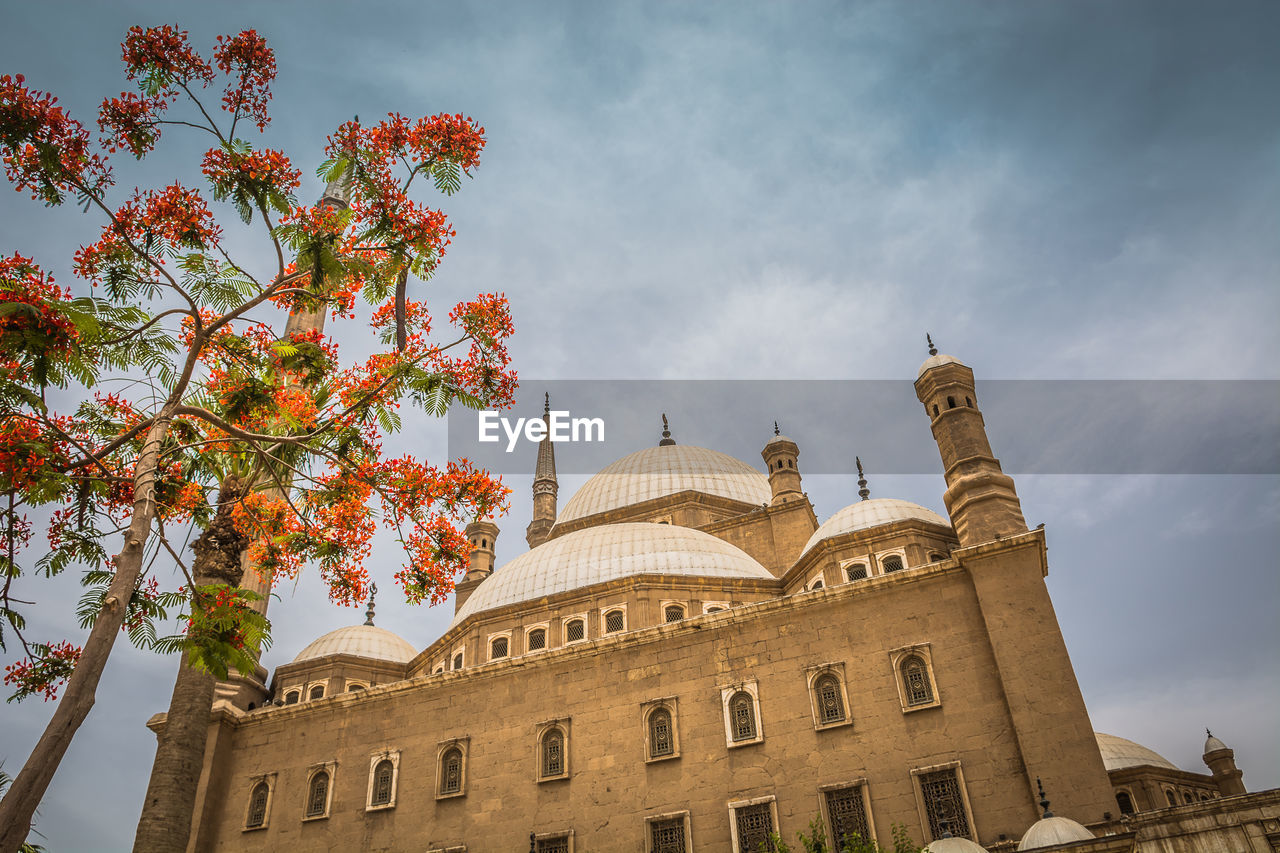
483, 536
980, 498
780, 457
545, 485
1221, 762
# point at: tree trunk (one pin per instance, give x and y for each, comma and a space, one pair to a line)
167, 811
19, 804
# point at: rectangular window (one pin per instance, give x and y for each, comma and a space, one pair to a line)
943, 803
559, 844
755, 826
847, 813
667, 836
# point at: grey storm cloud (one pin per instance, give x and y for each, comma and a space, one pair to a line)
761, 191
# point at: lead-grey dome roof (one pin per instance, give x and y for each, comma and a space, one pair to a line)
871, 513
599, 554
362, 641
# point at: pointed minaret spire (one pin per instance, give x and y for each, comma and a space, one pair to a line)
1044, 800
667, 440
932, 349
863, 491
545, 485
368, 614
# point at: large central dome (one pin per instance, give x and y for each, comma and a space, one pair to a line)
656, 472
600, 554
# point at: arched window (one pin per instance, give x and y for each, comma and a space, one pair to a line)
318, 794
575, 630
936, 557
552, 753
1125, 802
451, 771
856, 572
826, 690
1168, 795
714, 608
742, 716
614, 621
1204, 797
915, 681
968, 402
935, 411
951, 402
1187, 798
673, 613
537, 639
384, 774
355, 688
292, 697
439, 669
498, 648
817, 584
317, 692
892, 563
258, 805
661, 739
457, 661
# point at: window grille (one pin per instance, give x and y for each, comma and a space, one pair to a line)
915, 679
457, 661
317, 692
537, 639
553, 845
848, 815
614, 621
742, 714
674, 613
451, 772
893, 564
943, 803
553, 753
258, 805
498, 648
660, 740
755, 828
830, 705
668, 836
292, 697
857, 572
318, 794
383, 775
575, 630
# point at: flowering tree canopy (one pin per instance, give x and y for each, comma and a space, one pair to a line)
192, 407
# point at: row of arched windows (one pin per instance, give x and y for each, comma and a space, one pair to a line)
575, 630
317, 691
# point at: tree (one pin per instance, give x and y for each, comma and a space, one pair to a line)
194, 412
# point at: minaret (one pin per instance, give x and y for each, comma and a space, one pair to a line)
980, 498
780, 456
545, 487
1221, 761
482, 535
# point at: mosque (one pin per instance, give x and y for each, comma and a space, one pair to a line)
685, 660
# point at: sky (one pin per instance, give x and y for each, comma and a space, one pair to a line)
799, 191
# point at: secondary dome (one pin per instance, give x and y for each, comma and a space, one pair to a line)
659, 471
604, 553
1118, 752
871, 513
937, 361
1051, 831
362, 641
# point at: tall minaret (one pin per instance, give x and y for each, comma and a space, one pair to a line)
545, 487
980, 498
1221, 761
483, 535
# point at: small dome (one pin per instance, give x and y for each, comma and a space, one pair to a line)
1049, 831
871, 513
656, 472
779, 438
362, 641
937, 361
1118, 753
1212, 744
599, 554
954, 845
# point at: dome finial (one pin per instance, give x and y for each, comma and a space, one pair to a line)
1044, 801
863, 491
667, 440
776, 431
932, 349
368, 614
546, 405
